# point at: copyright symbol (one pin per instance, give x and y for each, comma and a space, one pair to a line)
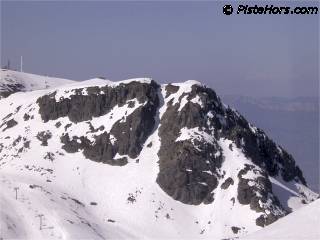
227, 9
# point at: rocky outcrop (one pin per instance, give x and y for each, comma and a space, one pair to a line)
170, 89
177, 158
235, 229
189, 167
229, 181
10, 89
8, 124
130, 134
262, 150
185, 164
44, 137
266, 219
198, 150
257, 193
97, 102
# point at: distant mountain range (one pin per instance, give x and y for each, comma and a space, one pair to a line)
303, 104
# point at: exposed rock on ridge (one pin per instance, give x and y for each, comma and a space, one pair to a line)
177, 158
190, 166
130, 133
110, 124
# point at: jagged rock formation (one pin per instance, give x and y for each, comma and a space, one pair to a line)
130, 134
176, 157
180, 137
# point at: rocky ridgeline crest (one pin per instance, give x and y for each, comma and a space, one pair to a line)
130, 134
191, 128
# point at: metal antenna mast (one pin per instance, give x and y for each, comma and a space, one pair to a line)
21, 64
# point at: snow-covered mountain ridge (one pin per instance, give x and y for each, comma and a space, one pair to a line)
136, 159
302, 224
12, 81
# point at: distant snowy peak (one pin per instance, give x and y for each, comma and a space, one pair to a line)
13, 81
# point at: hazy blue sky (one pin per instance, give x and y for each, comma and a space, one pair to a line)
169, 41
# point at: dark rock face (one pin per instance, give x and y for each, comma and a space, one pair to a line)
247, 193
44, 137
262, 150
9, 124
195, 186
235, 229
98, 102
260, 190
15, 142
265, 220
26, 144
229, 181
184, 165
58, 124
170, 89
190, 168
130, 134
10, 89
26, 117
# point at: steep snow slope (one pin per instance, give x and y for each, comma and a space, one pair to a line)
13, 81
88, 156
302, 224
63, 217
283, 119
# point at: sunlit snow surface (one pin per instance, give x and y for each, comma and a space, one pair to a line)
302, 224
29, 81
83, 199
